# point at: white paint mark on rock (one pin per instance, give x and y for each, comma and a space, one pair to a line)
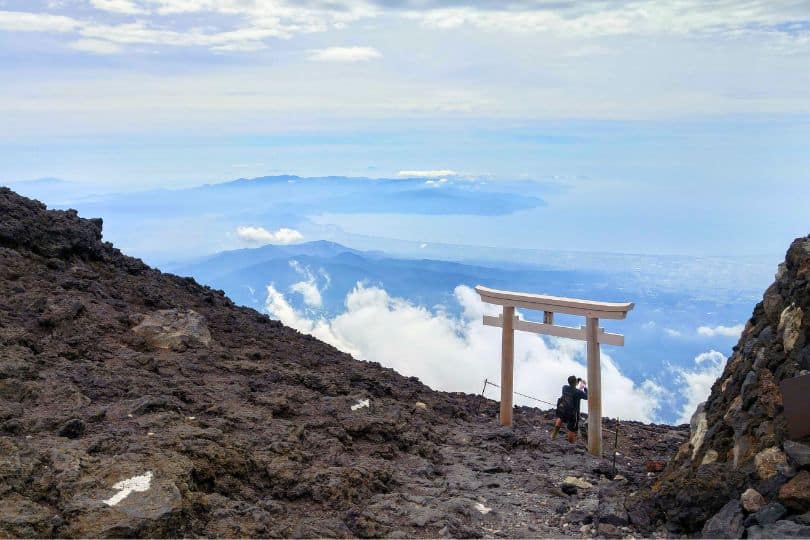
191, 417
483, 509
125, 487
360, 404
150, 433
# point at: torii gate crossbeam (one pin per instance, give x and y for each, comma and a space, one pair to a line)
590, 333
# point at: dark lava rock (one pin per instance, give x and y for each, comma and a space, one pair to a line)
72, 429
798, 452
135, 403
779, 529
768, 514
727, 523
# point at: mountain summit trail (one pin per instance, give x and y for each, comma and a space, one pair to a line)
138, 403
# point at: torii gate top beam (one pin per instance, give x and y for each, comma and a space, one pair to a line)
556, 304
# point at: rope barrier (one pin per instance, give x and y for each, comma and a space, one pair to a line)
487, 382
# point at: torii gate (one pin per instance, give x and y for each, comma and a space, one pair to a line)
591, 333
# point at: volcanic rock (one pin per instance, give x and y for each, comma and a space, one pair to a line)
739, 436
769, 513
799, 453
727, 523
779, 529
751, 500
172, 329
796, 494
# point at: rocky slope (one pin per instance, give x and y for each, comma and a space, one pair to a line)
136, 403
739, 473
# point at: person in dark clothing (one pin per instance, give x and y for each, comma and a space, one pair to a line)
568, 407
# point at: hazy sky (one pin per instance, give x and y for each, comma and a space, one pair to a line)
691, 117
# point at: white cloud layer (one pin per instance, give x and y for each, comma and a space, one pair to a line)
308, 288
21, 21
260, 235
96, 46
126, 7
720, 330
429, 173
697, 383
457, 354
345, 54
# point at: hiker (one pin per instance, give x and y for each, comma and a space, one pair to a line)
568, 407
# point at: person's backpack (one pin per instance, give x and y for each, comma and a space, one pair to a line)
565, 405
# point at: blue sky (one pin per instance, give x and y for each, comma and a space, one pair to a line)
668, 127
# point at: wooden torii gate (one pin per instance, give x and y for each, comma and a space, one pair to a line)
590, 333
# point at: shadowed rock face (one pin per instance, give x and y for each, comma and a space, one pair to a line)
739, 445
136, 403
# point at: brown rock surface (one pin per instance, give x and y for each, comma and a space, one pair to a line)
795, 495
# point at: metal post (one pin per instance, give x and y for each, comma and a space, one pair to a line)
507, 364
594, 388
615, 449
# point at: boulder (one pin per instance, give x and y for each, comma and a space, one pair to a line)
751, 500
779, 529
577, 482
796, 494
147, 504
173, 329
790, 324
727, 523
799, 453
769, 462
769, 513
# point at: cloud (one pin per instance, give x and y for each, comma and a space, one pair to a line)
308, 288
458, 353
249, 24
127, 7
96, 46
614, 18
20, 21
436, 183
672, 333
697, 383
260, 235
427, 173
725, 331
344, 54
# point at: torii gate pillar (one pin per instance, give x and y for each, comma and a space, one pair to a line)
507, 364
590, 333
594, 388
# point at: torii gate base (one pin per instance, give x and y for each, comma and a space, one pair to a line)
590, 333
